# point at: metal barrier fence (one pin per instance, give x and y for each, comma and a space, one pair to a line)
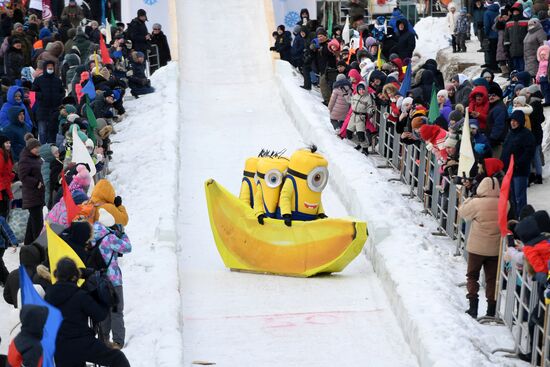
520, 304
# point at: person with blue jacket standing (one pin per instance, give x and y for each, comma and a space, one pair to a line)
491, 35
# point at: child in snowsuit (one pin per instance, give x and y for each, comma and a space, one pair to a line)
461, 30
26, 349
362, 105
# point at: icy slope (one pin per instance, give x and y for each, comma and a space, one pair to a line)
230, 110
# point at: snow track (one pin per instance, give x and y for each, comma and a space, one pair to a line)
230, 109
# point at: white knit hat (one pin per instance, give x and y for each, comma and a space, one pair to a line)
443, 93
106, 218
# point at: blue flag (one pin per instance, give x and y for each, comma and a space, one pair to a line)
406, 85
89, 89
29, 296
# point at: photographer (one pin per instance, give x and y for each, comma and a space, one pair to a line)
75, 342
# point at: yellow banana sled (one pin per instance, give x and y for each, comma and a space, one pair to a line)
305, 249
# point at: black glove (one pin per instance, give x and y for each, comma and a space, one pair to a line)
288, 220
118, 201
86, 272
272, 49
322, 216
261, 219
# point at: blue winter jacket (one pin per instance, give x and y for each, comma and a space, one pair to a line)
489, 19
15, 132
7, 237
4, 120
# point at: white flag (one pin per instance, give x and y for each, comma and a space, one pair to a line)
345, 31
80, 152
107, 32
466, 159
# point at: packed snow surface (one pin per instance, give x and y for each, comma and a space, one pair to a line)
433, 35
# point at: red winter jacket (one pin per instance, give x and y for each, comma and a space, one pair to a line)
538, 255
482, 108
6, 175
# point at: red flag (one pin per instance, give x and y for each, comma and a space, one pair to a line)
72, 208
105, 58
503, 199
361, 40
32, 97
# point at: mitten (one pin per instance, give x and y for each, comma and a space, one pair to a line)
288, 220
118, 201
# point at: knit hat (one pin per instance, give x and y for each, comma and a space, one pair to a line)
520, 100
495, 89
450, 142
443, 93
474, 123
519, 116
429, 132
518, 87
17, 25
463, 10
322, 31
142, 13
106, 218
54, 149
3, 139
406, 102
456, 115
79, 196
418, 122
533, 88
419, 110
89, 143
72, 117
486, 74
83, 177
31, 142
340, 77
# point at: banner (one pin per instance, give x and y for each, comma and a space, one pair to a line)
46, 9
287, 12
36, 4
466, 158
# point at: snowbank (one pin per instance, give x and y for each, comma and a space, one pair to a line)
433, 35
419, 273
144, 173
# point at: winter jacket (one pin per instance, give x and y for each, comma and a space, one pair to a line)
297, 51
49, 94
30, 256
462, 24
482, 108
283, 44
533, 40
434, 137
497, 122
53, 53
463, 91
500, 28
324, 58
31, 178
73, 14
14, 61
6, 175
16, 131
45, 152
83, 44
406, 42
521, 143
104, 197
110, 247
537, 117
446, 110
543, 53
136, 32
482, 211
538, 255
26, 349
160, 40
10, 102
451, 20
514, 34
340, 100
489, 17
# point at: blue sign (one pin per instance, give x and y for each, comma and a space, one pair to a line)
291, 19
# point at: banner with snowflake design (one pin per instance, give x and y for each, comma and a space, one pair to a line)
287, 12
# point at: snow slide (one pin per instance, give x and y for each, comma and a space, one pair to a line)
230, 109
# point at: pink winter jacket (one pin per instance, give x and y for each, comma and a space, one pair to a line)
340, 100
543, 53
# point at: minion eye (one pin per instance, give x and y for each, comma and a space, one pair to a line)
317, 179
273, 178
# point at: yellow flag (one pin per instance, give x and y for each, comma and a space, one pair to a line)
58, 249
379, 59
96, 60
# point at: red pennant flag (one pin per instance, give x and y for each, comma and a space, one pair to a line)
72, 208
361, 40
503, 199
105, 58
32, 97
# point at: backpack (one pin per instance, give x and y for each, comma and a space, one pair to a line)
98, 284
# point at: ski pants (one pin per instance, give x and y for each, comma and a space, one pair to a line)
115, 320
490, 266
76, 352
357, 125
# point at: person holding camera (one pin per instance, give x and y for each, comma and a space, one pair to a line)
76, 343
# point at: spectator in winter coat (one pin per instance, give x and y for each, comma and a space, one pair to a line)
112, 243
533, 40
283, 43
78, 236
7, 239
502, 50
543, 54
53, 52
104, 197
137, 80
478, 13
49, 95
325, 60
406, 41
82, 44
479, 106
102, 104
46, 154
339, 103
536, 247
15, 97
496, 126
16, 130
452, 17
461, 30
26, 348
515, 32
463, 89
434, 137
159, 38
33, 188
362, 106
445, 107
137, 32
483, 243
6, 175
14, 60
491, 35
73, 13
534, 98
75, 343
521, 143
298, 46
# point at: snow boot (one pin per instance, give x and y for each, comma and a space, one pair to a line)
357, 147
491, 308
472, 311
538, 180
505, 71
365, 151
532, 178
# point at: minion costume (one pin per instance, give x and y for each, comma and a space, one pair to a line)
306, 178
248, 187
270, 173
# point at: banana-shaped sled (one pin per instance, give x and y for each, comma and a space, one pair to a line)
305, 249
